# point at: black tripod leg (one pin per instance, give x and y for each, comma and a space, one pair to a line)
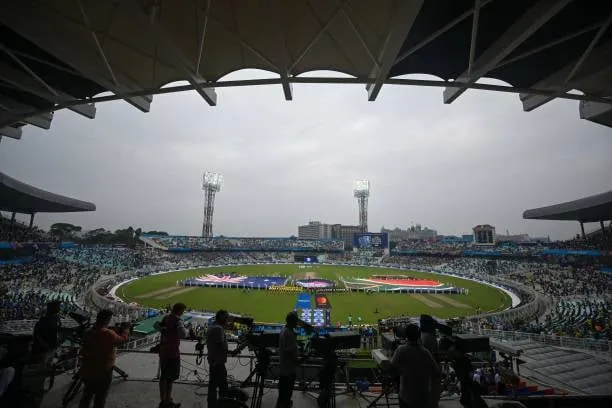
248, 379
374, 403
119, 371
258, 392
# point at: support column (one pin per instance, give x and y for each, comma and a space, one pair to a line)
12, 227
603, 229
31, 221
582, 229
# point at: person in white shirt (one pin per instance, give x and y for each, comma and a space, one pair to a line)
288, 355
476, 377
418, 370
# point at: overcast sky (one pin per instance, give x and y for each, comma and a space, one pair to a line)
448, 167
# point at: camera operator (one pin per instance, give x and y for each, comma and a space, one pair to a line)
98, 358
216, 342
288, 355
172, 331
46, 334
429, 341
417, 369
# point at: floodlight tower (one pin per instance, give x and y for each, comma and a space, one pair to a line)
361, 191
211, 184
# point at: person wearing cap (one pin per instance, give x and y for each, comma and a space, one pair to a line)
98, 352
417, 369
172, 331
288, 356
46, 333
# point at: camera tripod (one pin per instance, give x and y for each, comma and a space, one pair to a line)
260, 371
389, 386
77, 383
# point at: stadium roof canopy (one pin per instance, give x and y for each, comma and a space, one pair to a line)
64, 54
589, 209
19, 197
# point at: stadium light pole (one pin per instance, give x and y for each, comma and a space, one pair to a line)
211, 184
361, 191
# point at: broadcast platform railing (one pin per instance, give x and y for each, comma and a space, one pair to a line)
604, 346
140, 343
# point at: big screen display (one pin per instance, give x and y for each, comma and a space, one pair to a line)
306, 258
371, 241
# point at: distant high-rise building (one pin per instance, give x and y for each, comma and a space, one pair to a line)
315, 230
345, 233
484, 234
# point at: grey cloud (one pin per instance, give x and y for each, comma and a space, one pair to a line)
480, 159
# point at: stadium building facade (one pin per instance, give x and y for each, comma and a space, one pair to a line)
413, 233
315, 230
484, 234
346, 233
319, 230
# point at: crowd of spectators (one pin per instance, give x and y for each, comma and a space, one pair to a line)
114, 259
582, 295
27, 287
249, 244
68, 273
595, 242
20, 232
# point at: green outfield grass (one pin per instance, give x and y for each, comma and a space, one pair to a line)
268, 306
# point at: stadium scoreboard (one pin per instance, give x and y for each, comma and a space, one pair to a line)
306, 258
372, 241
316, 317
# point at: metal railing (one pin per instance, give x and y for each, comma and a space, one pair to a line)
602, 346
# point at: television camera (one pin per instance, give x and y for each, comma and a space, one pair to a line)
83, 321
233, 320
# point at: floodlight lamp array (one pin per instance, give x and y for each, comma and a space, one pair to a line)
212, 181
361, 188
